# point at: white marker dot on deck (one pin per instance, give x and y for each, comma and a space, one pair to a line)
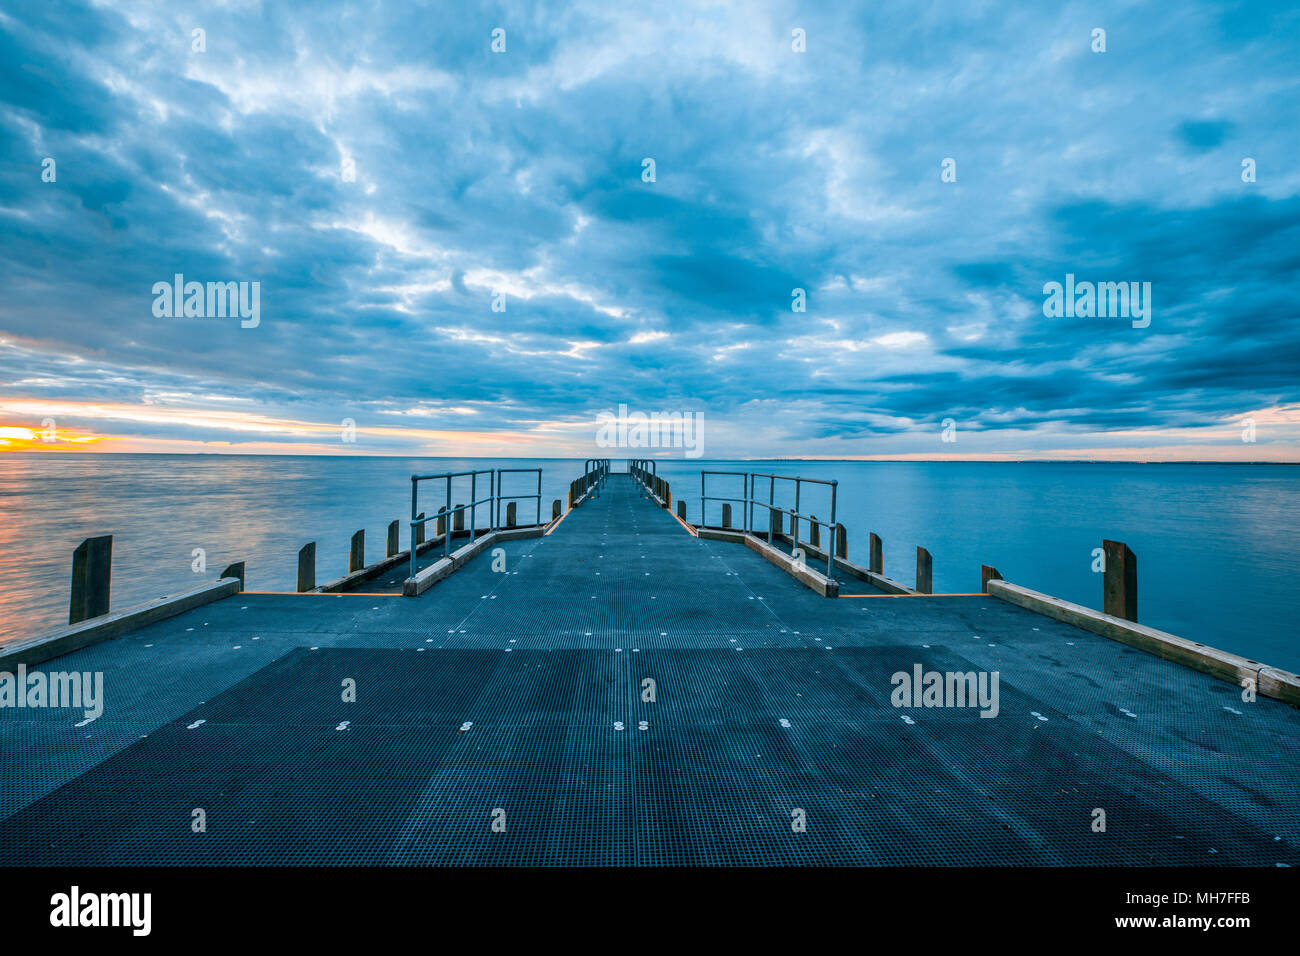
925, 645
419, 650
429, 640
785, 723
1127, 713
906, 719
618, 725
315, 648
663, 633
1231, 710
733, 640
1034, 713
257, 638
148, 645
343, 726
195, 724
466, 726
237, 647
816, 638
513, 640
244, 608
1067, 643
618, 650
636, 650
188, 629
451, 632
643, 725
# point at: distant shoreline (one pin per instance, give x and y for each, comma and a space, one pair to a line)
665, 459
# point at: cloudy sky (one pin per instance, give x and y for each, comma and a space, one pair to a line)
386, 176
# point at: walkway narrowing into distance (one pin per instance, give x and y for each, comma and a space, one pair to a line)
624, 692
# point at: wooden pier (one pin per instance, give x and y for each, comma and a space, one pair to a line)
620, 686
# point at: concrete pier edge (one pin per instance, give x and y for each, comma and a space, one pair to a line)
115, 624
1268, 681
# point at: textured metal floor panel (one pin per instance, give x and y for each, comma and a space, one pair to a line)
551, 745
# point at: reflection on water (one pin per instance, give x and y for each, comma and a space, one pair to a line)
1215, 543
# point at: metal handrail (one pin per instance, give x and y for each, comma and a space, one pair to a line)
637, 468
493, 501
749, 502
537, 496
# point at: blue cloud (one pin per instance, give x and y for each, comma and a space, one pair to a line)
384, 175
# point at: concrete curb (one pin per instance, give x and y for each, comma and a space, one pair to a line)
108, 626
878, 581
401, 557
1269, 681
805, 575
435, 572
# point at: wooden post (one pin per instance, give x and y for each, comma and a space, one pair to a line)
92, 578
924, 571
235, 570
510, 513
1119, 581
841, 541
419, 530
307, 567
392, 539
988, 573
681, 509
774, 522
726, 514
875, 554
814, 532
460, 519
357, 553
442, 520
555, 509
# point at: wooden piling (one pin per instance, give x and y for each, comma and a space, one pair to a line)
875, 554
681, 509
814, 532
235, 570
442, 520
459, 522
988, 573
392, 539
726, 514
510, 513
419, 529
357, 552
92, 578
307, 567
1119, 581
924, 572
555, 509
841, 541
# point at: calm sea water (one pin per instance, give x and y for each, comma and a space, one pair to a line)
1215, 543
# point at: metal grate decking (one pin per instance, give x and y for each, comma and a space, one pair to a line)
516, 698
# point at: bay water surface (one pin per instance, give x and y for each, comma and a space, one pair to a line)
1216, 544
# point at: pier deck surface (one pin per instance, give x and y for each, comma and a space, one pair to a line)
499, 697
